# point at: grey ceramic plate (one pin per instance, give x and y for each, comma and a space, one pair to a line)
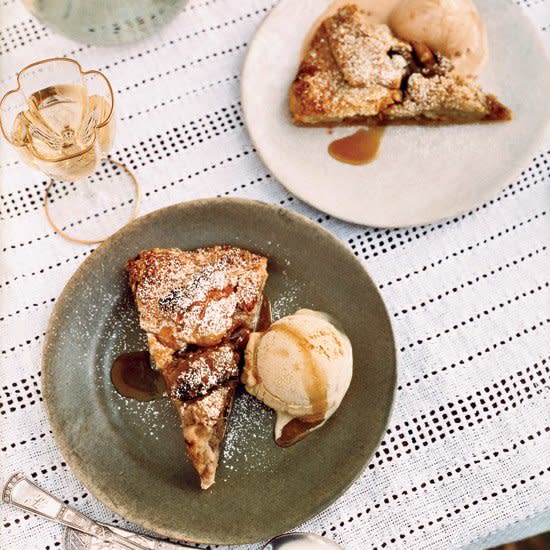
130, 454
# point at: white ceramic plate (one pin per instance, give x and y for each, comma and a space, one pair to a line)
421, 174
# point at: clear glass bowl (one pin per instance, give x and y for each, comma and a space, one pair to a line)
104, 22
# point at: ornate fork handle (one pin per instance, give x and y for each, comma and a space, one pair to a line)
21, 492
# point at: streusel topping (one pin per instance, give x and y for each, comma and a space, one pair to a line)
362, 50
196, 296
359, 72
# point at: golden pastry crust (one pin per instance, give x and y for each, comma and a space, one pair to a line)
361, 50
196, 373
204, 422
356, 72
196, 297
191, 304
320, 92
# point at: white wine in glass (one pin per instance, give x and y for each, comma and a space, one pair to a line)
62, 133
61, 119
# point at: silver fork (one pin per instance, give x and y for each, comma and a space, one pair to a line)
83, 533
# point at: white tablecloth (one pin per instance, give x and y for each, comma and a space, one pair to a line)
465, 462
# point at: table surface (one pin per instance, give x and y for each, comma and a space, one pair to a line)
464, 462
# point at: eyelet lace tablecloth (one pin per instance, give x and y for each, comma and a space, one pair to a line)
465, 462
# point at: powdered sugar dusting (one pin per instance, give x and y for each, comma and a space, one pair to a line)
150, 415
200, 372
287, 300
249, 444
362, 50
120, 334
196, 296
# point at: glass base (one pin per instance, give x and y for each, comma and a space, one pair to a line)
91, 209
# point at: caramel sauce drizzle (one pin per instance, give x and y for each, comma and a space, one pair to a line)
358, 148
132, 376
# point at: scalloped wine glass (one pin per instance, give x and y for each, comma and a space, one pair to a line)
61, 120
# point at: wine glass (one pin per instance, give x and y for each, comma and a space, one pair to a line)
61, 120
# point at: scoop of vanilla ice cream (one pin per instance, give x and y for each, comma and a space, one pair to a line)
452, 28
301, 367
